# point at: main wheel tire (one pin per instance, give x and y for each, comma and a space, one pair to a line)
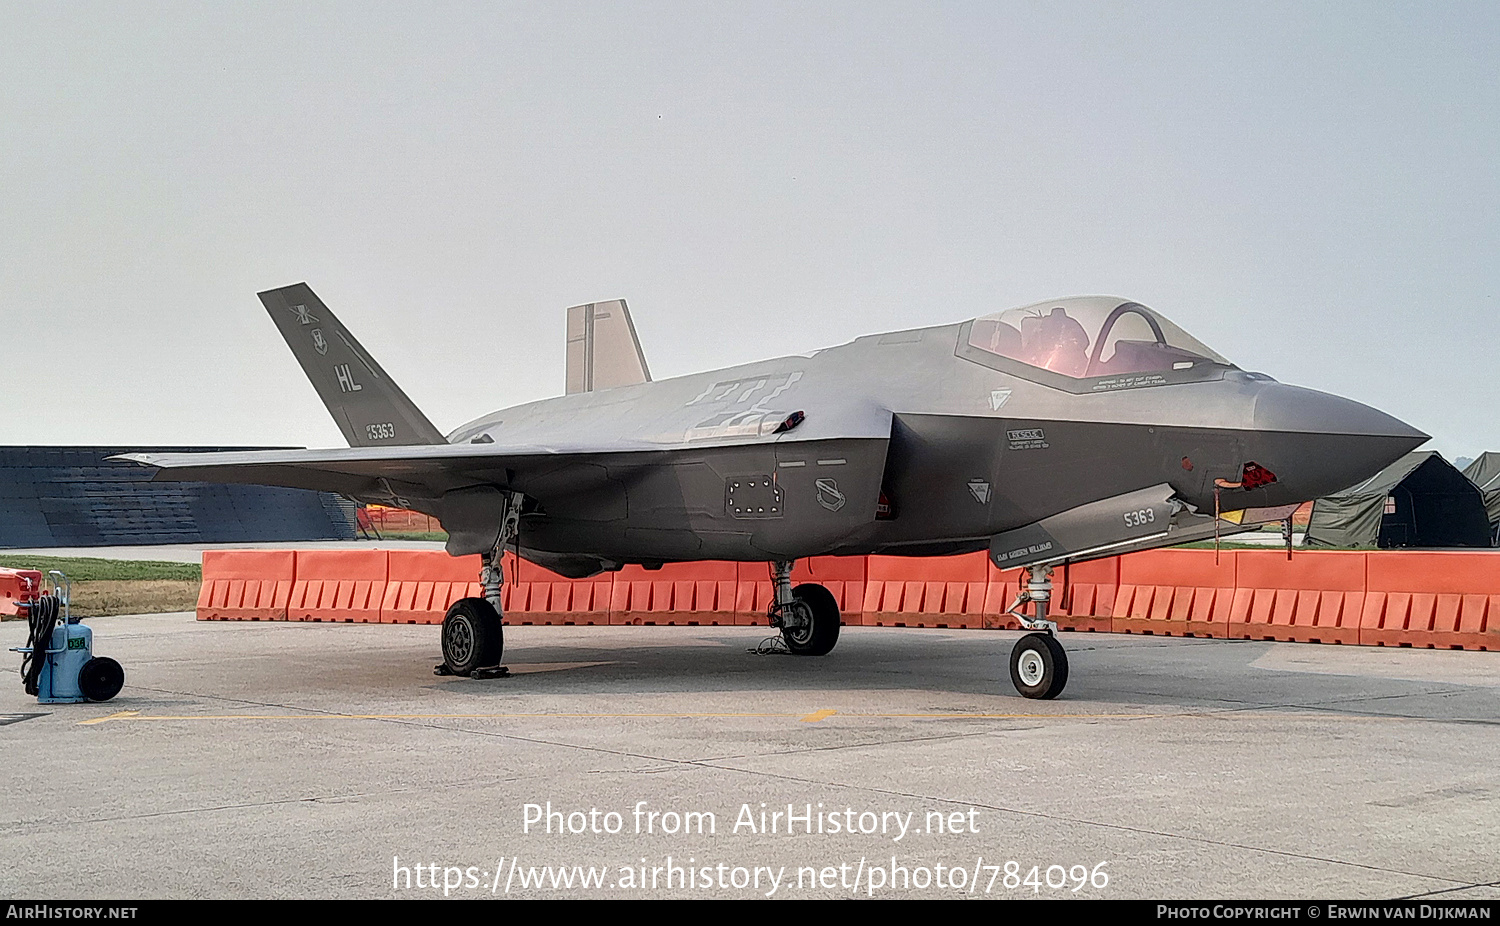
1039, 666
819, 633
473, 637
101, 678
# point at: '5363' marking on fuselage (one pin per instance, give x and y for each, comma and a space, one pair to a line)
1140, 518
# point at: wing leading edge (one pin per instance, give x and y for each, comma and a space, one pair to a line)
408, 476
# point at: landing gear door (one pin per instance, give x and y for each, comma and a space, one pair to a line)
1124, 520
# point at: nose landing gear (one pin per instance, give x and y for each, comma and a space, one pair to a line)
1038, 663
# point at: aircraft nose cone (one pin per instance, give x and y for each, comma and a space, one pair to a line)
1279, 407
1323, 443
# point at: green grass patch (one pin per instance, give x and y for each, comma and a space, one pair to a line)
85, 569
1226, 543
439, 536
1274, 548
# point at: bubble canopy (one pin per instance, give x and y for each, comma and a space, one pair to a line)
1090, 337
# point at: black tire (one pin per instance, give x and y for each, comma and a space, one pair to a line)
1039, 666
101, 678
818, 636
473, 637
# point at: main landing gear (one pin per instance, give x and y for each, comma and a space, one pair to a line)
473, 639
473, 631
1038, 664
808, 615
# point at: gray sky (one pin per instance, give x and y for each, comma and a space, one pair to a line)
1313, 190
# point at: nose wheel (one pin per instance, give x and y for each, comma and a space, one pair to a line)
1039, 666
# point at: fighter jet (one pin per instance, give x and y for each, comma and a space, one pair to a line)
1049, 434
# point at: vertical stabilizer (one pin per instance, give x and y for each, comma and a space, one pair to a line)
367, 405
603, 350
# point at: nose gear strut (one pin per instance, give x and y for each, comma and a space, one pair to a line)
1038, 663
1038, 592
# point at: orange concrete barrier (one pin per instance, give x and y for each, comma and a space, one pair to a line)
246, 585
535, 595
753, 593
18, 586
421, 585
1443, 600
1311, 598
1175, 593
845, 578
1084, 595
939, 591
677, 593
338, 585
1424, 599
1478, 623
1000, 591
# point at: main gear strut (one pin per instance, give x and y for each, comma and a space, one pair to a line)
473, 631
807, 615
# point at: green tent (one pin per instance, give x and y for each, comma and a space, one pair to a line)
1421, 500
1485, 473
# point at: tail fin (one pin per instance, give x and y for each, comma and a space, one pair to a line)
603, 351
366, 404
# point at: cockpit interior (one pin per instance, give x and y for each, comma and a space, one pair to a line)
1087, 337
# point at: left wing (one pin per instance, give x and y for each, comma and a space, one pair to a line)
464, 485
414, 477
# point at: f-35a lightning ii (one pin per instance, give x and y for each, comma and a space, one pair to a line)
1049, 434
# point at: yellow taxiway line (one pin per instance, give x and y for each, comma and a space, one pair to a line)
814, 717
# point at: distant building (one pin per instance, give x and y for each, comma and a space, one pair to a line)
74, 497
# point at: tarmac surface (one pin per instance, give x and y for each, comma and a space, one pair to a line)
326, 760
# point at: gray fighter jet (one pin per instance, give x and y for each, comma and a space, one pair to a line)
1049, 434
